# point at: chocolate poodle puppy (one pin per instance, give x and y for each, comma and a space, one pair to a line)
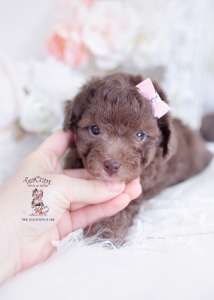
123, 131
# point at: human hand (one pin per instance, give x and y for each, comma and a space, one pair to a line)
26, 243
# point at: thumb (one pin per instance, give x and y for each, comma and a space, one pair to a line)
86, 191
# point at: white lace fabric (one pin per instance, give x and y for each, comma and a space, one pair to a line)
70, 240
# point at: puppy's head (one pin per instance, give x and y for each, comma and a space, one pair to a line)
35, 193
116, 133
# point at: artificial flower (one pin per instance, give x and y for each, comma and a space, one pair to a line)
38, 114
109, 33
65, 44
65, 40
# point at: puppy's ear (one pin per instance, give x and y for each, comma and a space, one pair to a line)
69, 119
168, 140
75, 108
165, 124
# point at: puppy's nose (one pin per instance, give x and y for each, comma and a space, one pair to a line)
111, 166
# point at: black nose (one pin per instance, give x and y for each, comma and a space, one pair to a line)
111, 166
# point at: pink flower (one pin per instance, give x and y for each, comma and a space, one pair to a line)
89, 3
65, 44
67, 4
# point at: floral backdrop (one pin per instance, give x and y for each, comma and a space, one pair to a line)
167, 40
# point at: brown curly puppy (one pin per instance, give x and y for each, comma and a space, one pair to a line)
118, 138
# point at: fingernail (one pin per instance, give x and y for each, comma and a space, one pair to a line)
115, 186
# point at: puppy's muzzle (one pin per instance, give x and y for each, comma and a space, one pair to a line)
111, 166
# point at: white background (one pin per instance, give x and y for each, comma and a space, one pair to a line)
24, 26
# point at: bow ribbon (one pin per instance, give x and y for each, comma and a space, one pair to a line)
147, 90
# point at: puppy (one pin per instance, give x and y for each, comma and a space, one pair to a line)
119, 137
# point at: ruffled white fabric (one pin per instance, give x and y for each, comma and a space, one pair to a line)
71, 239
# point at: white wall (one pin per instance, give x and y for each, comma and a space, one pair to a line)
23, 27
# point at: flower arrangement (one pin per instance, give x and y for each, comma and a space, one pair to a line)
104, 36
87, 37
107, 33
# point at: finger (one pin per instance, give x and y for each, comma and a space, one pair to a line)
57, 142
87, 191
65, 225
133, 189
78, 173
92, 213
83, 217
75, 206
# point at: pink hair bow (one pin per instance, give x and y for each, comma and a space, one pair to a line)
147, 90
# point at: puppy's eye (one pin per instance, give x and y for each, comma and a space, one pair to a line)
95, 130
140, 135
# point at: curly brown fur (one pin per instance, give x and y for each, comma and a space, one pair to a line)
169, 153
